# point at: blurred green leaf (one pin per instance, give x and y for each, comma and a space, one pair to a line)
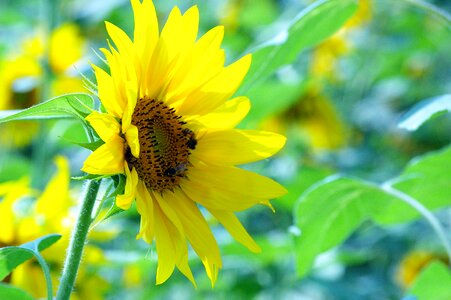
428, 180
424, 111
263, 12
66, 106
12, 256
306, 177
264, 104
13, 167
13, 293
314, 24
434, 282
329, 212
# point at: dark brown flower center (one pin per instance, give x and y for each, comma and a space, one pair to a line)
165, 145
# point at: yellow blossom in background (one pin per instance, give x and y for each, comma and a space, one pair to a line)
169, 127
321, 123
66, 47
312, 119
10, 192
326, 55
413, 263
133, 275
21, 77
363, 15
23, 221
231, 13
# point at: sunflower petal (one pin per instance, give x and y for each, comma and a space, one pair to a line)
125, 201
176, 229
133, 140
236, 146
197, 231
180, 32
229, 188
108, 159
124, 44
132, 98
235, 228
214, 198
217, 90
165, 246
201, 63
146, 29
227, 115
145, 206
106, 88
105, 125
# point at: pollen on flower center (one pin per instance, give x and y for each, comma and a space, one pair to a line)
165, 145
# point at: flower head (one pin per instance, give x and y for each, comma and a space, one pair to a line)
169, 127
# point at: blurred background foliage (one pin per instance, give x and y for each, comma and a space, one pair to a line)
338, 100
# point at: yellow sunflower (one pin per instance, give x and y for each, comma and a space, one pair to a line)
169, 127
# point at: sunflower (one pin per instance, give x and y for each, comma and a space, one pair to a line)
168, 125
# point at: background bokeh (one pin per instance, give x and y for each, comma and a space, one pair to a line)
338, 103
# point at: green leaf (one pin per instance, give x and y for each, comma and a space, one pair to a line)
112, 211
306, 177
10, 292
314, 24
91, 146
434, 282
329, 212
428, 180
66, 106
264, 104
11, 257
117, 187
424, 111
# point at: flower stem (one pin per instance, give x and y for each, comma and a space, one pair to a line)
435, 224
77, 242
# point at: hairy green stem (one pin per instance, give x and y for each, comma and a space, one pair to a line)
75, 250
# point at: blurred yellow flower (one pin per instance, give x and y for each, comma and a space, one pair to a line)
412, 265
230, 14
169, 127
21, 74
133, 275
326, 55
23, 221
363, 15
313, 119
66, 47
